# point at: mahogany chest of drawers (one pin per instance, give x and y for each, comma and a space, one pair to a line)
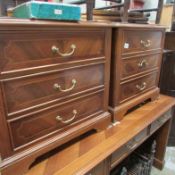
136, 59
54, 87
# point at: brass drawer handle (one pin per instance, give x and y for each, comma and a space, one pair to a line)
146, 43
142, 86
129, 146
133, 144
56, 50
58, 87
60, 119
143, 63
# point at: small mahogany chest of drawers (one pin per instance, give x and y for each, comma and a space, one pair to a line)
136, 59
54, 87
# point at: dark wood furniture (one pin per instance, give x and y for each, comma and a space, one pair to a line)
136, 59
99, 153
167, 83
54, 87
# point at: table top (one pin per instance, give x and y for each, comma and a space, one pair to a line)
84, 153
7, 23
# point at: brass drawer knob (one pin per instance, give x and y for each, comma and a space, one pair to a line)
58, 87
143, 63
146, 43
56, 50
60, 119
142, 86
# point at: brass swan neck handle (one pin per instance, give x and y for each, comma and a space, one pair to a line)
58, 87
56, 50
60, 119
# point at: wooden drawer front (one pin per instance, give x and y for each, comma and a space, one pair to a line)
27, 92
100, 169
117, 155
160, 121
139, 64
141, 40
28, 129
139, 137
135, 87
48, 48
124, 150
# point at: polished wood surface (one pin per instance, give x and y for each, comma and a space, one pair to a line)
140, 41
135, 68
39, 126
54, 87
139, 65
83, 155
33, 49
28, 92
38, 24
130, 89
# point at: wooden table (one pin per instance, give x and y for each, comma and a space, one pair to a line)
84, 153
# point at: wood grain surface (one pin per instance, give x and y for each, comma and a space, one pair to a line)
83, 155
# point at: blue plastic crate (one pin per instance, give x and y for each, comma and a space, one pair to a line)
47, 10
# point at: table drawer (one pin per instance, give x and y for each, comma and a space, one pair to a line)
160, 121
24, 93
117, 155
139, 64
26, 50
132, 88
57, 119
100, 169
135, 41
125, 150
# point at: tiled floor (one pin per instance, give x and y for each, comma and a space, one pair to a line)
169, 168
